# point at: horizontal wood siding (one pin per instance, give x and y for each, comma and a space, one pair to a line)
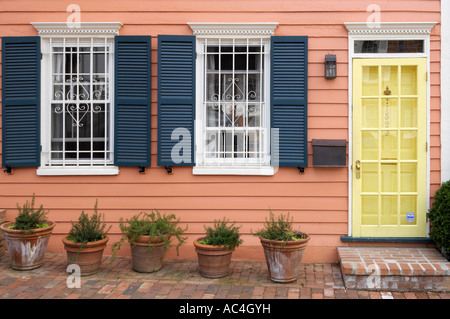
316, 199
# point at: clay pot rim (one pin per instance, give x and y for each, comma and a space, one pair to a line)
89, 244
287, 242
145, 240
4, 226
209, 247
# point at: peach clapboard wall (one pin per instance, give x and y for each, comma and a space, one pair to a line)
317, 199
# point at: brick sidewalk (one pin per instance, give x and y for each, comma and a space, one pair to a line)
180, 279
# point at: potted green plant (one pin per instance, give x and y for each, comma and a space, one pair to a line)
150, 235
439, 217
283, 247
27, 237
86, 242
215, 249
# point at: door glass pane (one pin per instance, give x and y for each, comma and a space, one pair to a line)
409, 80
369, 145
370, 81
389, 177
389, 79
369, 113
390, 113
388, 210
369, 210
369, 172
408, 150
389, 145
408, 112
408, 177
408, 210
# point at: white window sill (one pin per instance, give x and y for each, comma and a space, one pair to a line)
61, 171
227, 170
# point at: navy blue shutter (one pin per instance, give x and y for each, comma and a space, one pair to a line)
289, 73
21, 95
132, 111
176, 99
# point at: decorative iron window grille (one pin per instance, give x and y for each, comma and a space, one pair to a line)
235, 102
81, 102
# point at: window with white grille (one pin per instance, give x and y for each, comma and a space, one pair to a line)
80, 113
234, 102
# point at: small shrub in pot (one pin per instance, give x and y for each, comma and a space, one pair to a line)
86, 242
150, 235
215, 249
28, 236
283, 247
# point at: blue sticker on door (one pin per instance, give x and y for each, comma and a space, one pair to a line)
410, 217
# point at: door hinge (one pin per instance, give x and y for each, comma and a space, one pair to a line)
426, 146
426, 76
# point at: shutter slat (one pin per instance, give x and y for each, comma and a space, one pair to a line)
21, 60
176, 96
289, 72
132, 113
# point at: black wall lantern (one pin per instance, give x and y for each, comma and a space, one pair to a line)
330, 66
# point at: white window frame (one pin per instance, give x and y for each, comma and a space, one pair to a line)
384, 31
89, 30
238, 31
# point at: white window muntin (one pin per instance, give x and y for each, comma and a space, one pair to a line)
233, 100
83, 96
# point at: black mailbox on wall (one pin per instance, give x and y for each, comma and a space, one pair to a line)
329, 153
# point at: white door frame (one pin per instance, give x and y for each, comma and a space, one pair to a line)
384, 31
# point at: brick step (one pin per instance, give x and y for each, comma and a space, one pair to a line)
394, 268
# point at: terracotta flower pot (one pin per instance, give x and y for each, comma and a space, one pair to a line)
26, 249
89, 257
213, 261
147, 256
284, 258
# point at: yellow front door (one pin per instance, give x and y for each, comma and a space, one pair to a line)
389, 147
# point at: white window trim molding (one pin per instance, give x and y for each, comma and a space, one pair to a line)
445, 91
385, 31
64, 29
48, 30
82, 171
230, 170
204, 31
389, 28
